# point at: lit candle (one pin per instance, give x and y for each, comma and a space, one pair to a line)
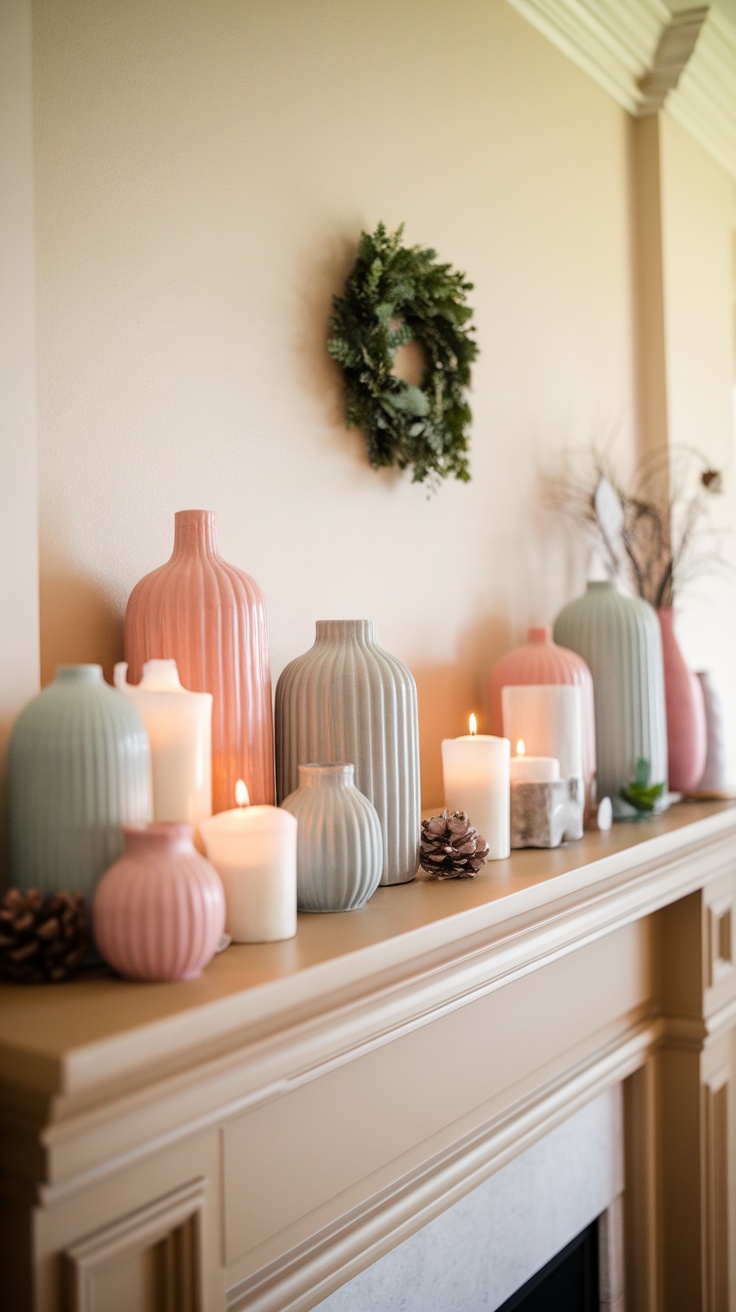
549, 718
533, 769
253, 850
475, 769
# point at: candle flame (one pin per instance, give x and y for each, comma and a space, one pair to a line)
241, 794
520, 748
473, 726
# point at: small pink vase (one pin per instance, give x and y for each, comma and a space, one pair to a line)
159, 911
687, 741
540, 661
210, 618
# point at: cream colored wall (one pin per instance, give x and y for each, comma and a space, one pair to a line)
203, 173
698, 226
18, 473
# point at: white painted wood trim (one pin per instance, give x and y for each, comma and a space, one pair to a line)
648, 58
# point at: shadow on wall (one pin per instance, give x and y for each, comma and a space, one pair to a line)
79, 624
447, 694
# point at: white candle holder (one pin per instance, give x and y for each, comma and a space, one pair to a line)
548, 814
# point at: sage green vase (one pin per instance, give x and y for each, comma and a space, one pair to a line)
619, 638
78, 770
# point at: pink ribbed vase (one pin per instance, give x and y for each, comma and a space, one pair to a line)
159, 911
210, 618
540, 661
687, 742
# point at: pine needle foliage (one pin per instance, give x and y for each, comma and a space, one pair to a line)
396, 294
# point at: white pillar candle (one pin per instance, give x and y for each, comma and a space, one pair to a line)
253, 850
549, 720
179, 727
475, 769
533, 769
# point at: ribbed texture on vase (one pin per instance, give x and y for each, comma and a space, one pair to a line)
210, 618
686, 732
339, 845
541, 661
78, 770
619, 639
347, 700
159, 911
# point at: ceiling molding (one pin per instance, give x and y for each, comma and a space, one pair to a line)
704, 102
649, 58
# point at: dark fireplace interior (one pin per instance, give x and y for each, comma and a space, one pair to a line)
569, 1283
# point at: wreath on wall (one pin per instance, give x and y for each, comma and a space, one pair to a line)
397, 294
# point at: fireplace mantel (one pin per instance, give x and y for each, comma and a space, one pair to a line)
259, 1135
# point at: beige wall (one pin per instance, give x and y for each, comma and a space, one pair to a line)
698, 224
202, 175
18, 486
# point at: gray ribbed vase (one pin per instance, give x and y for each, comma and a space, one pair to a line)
339, 847
620, 639
347, 700
78, 770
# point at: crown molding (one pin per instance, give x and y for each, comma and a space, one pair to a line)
649, 58
704, 102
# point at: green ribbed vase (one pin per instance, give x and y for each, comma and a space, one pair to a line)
620, 639
78, 770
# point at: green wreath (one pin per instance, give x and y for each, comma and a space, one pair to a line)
395, 295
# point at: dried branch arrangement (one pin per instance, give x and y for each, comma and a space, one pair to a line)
657, 529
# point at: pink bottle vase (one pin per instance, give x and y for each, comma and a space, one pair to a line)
540, 661
159, 911
211, 619
687, 741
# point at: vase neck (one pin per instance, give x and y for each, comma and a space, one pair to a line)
195, 531
161, 837
79, 674
362, 631
541, 636
318, 774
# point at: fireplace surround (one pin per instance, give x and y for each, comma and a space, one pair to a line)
260, 1136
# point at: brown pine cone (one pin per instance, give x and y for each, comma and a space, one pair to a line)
450, 848
41, 939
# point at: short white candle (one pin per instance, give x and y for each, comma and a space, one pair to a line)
533, 769
475, 769
549, 719
253, 850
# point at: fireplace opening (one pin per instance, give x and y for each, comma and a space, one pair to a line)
568, 1283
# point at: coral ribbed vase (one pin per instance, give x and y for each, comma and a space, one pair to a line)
210, 618
686, 731
541, 661
159, 911
347, 700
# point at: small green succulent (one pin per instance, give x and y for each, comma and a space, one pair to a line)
640, 794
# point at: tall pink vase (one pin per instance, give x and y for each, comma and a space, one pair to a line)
687, 741
159, 911
210, 618
540, 661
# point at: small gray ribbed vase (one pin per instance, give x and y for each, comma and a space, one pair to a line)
347, 700
620, 638
339, 847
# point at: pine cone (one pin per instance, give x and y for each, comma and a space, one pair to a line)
451, 848
41, 939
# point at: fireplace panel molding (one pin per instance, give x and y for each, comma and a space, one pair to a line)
335, 1093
